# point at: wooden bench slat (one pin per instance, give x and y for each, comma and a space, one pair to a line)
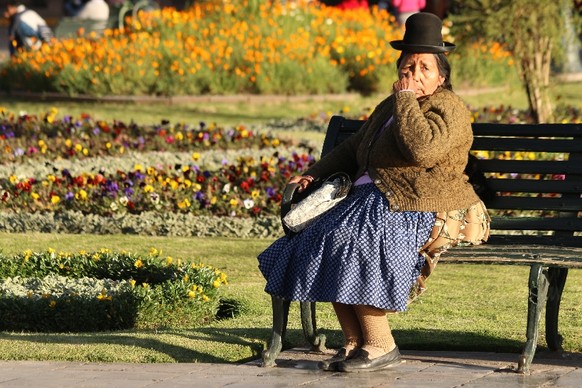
537, 223
535, 186
545, 130
535, 203
500, 241
521, 144
531, 166
512, 254
509, 259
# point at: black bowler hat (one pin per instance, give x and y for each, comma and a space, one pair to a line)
423, 35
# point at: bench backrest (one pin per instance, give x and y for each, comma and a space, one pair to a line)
534, 173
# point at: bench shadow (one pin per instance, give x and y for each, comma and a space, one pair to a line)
412, 343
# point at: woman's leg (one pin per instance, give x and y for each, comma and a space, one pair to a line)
350, 324
352, 332
378, 339
379, 349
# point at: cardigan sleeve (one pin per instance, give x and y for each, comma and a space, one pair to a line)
426, 131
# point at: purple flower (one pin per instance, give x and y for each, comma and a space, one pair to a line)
112, 186
270, 192
69, 196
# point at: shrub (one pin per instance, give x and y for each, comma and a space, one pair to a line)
105, 290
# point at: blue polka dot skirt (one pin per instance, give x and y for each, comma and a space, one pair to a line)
358, 253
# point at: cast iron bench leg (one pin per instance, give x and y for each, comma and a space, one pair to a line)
309, 325
538, 290
280, 316
557, 277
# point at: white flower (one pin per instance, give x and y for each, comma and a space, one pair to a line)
123, 200
226, 188
248, 203
155, 198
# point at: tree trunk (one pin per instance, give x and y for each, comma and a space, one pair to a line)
535, 63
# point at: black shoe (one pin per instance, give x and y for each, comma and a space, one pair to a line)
331, 363
361, 361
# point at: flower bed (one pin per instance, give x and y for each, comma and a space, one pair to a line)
221, 47
169, 180
90, 291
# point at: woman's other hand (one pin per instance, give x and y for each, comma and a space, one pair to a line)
302, 180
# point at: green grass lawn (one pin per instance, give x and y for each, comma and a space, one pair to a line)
467, 307
258, 110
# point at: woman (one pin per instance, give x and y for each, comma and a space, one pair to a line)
411, 201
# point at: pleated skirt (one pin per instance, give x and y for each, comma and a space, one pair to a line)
359, 252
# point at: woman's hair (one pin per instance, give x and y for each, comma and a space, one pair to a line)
442, 64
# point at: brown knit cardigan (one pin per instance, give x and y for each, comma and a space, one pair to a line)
418, 161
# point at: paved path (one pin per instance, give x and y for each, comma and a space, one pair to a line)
297, 367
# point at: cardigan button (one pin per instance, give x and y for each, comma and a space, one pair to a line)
395, 207
389, 193
377, 181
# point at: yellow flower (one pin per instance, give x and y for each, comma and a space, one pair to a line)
55, 199
184, 204
148, 188
138, 263
155, 252
81, 195
35, 196
69, 143
216, 283
138, 167
191, 294
169, 260
195, 156
132, 282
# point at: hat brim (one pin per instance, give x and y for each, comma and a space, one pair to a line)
421, 48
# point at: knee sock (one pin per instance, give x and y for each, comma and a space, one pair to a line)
350, 325
378, 339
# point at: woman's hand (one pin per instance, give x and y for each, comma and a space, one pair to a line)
302, 180
405, 83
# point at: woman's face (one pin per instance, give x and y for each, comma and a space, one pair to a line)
423, 70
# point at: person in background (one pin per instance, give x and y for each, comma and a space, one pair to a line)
95, 10
347, 5
410, 202
27, 29
72, 7
405, 8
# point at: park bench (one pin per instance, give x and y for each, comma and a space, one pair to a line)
536, 210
